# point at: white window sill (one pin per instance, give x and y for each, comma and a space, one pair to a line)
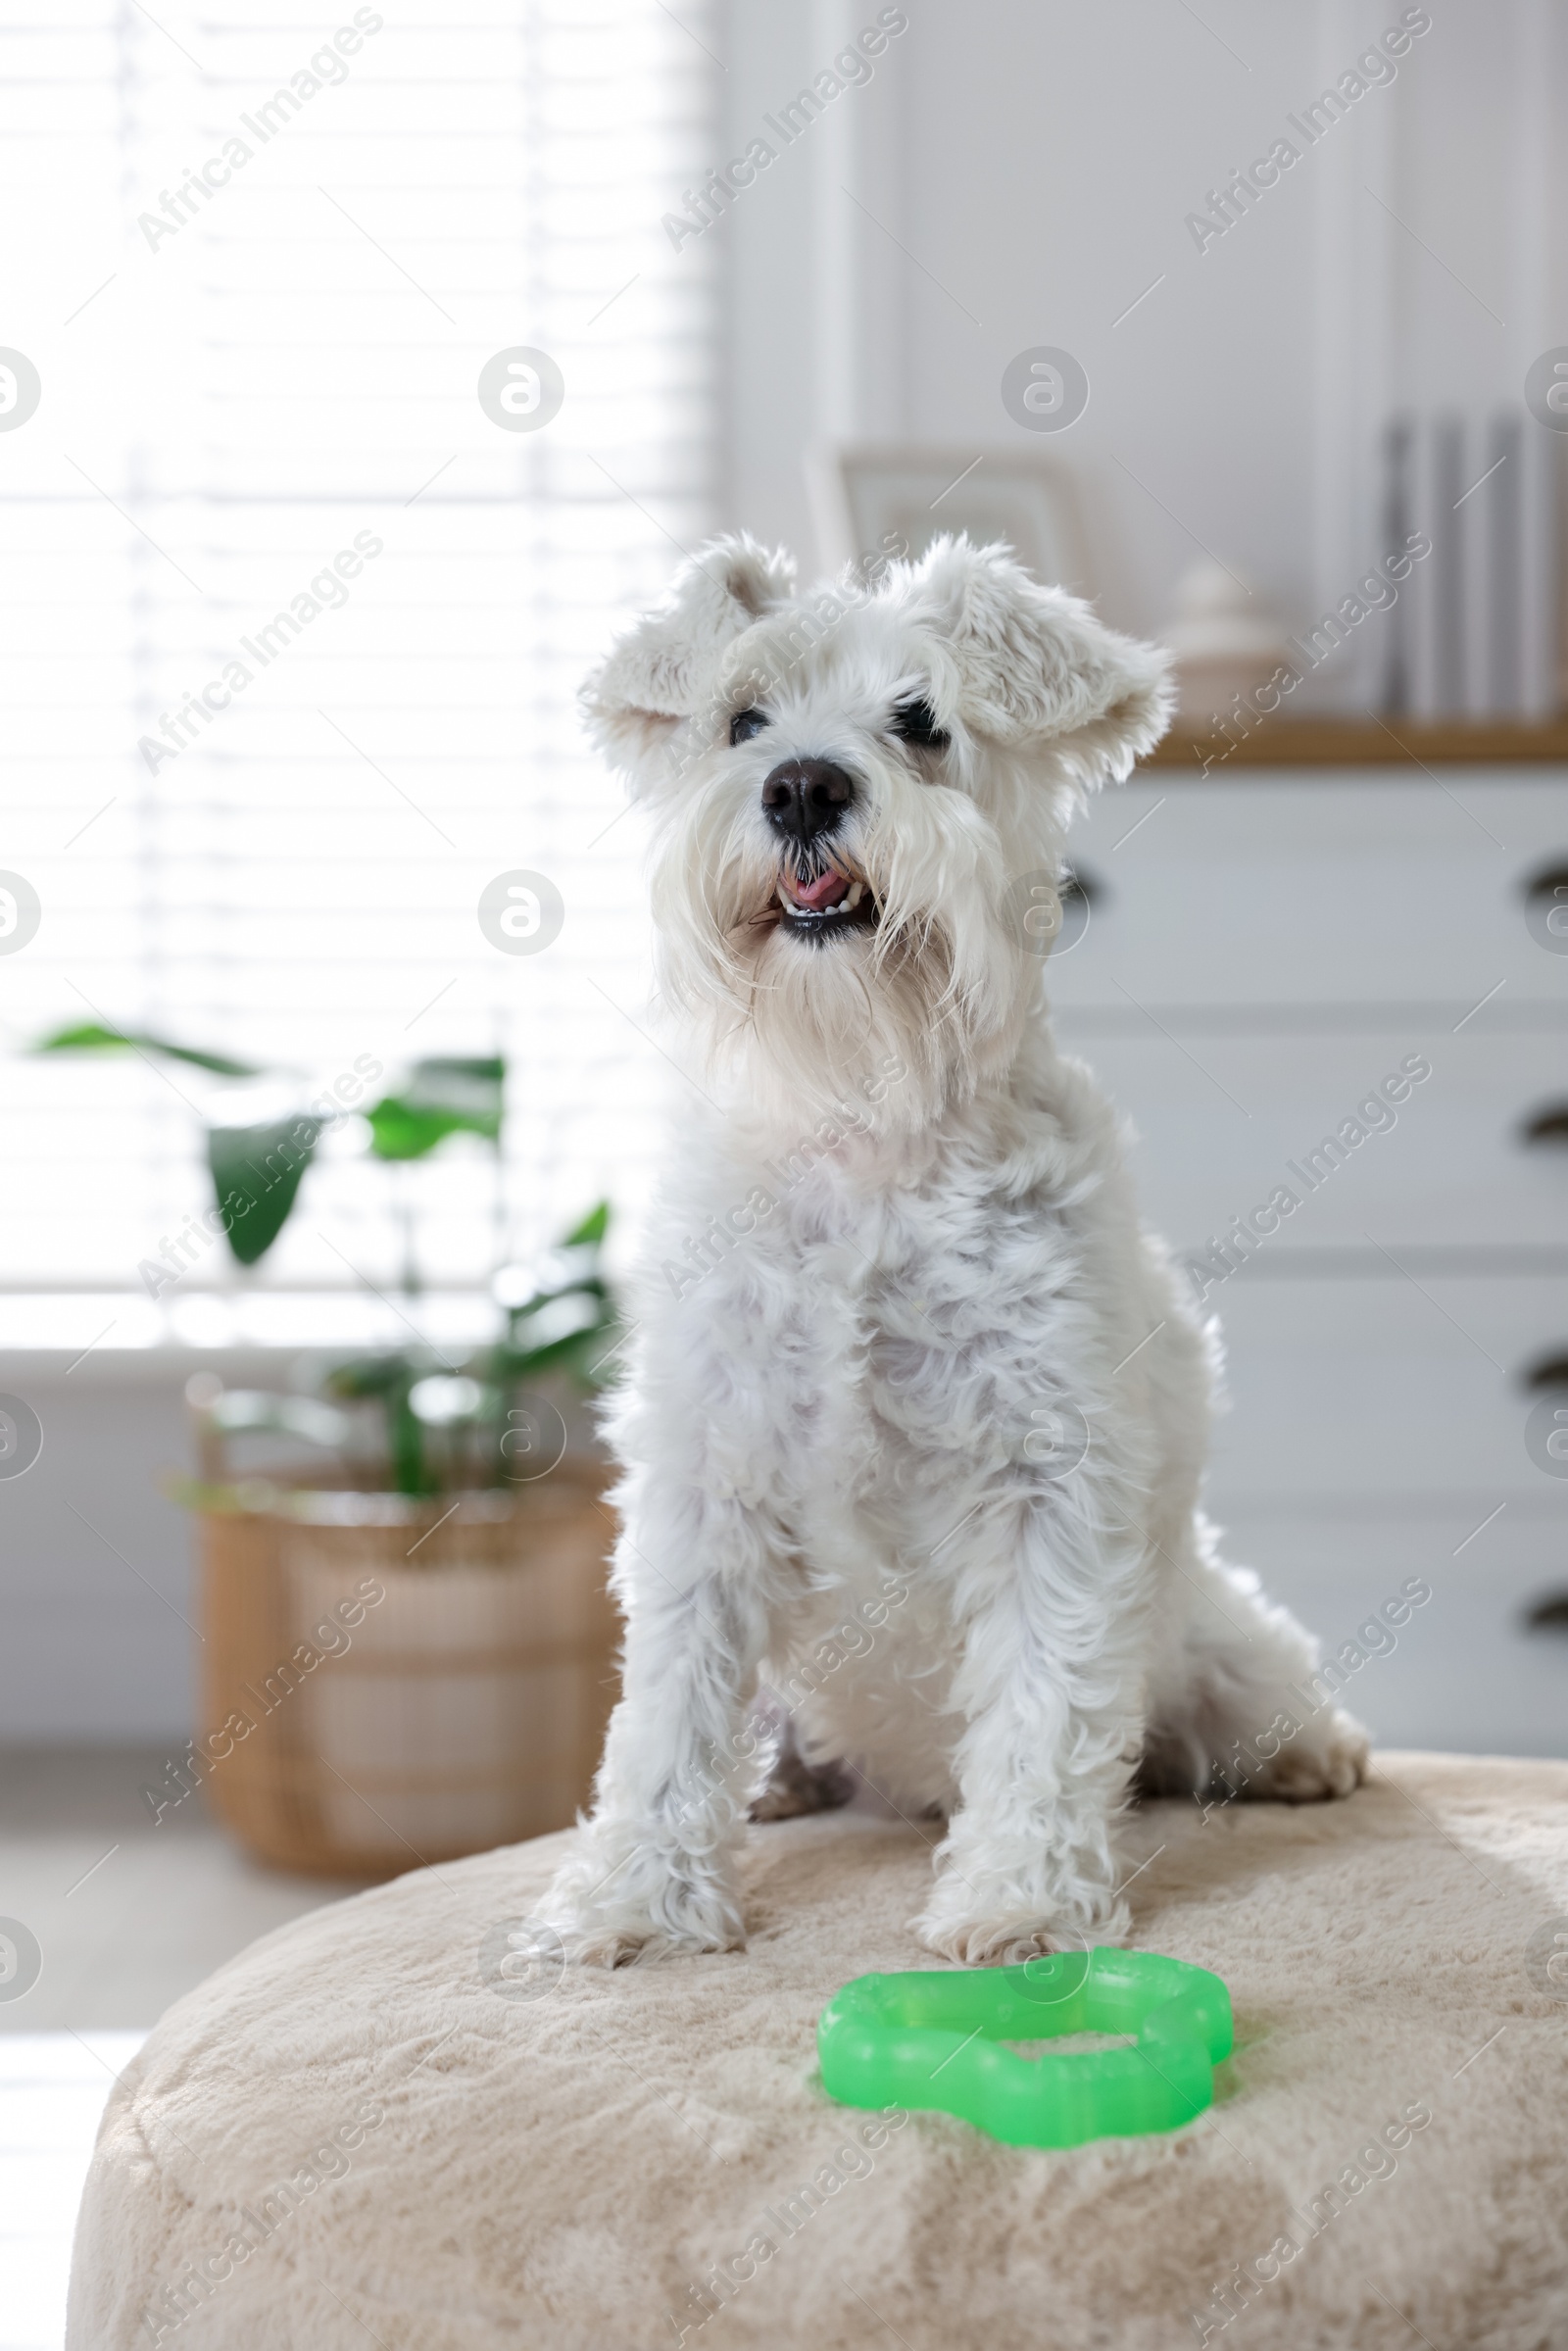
78, 1326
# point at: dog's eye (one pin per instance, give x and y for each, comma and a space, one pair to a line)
747, 723
917, 723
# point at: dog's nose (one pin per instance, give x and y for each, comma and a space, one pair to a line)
805, 798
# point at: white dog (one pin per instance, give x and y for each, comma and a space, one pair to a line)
903, 1356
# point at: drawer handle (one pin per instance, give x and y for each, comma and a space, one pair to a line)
1550, 1125
1548, 1371
1545, 896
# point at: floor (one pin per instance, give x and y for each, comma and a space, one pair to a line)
124, 1916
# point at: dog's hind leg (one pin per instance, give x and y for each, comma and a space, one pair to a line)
1237, 1703
793, 1786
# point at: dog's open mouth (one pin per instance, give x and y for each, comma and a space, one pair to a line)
826, 905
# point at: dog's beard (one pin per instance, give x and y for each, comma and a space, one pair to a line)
868, 979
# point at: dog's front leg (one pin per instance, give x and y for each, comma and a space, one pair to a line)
654, 1869
1049, 1683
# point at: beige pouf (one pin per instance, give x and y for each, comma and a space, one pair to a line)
348, 2137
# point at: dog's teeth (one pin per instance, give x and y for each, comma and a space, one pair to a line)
792, 907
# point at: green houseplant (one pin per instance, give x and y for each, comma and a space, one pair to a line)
448, 1425
409, 1649
258, 1165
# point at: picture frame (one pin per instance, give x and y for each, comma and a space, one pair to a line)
876, 497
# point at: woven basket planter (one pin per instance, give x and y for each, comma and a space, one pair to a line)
387, 1683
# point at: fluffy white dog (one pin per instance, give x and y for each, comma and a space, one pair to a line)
904, 1361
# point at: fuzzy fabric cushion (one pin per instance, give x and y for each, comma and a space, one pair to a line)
354, 2134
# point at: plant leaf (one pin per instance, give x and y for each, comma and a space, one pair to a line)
592, 1230
399, 1132
91, 1036
442, 1096
389, 1377
405, 1442
548, 1320
256, 1175
574, 1333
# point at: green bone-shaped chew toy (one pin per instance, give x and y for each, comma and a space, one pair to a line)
935, 2039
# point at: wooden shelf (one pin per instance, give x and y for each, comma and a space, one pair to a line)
1357, 742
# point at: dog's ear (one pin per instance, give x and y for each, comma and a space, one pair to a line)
1034, 669
663, 668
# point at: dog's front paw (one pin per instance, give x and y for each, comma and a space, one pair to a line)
992, 1942
971, 1936
1327, 1757
590, 1937
617, 1902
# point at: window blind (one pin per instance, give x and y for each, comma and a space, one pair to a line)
263, 268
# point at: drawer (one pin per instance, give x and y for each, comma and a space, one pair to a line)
1384, 1391
1263, 892
1222, 1121
1465, 1672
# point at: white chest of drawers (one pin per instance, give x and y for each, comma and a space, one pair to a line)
1260, 954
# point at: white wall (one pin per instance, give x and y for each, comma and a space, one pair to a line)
1030, 165
97, 1585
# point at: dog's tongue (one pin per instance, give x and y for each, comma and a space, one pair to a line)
826, 890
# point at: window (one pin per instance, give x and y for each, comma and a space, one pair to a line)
271, 838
